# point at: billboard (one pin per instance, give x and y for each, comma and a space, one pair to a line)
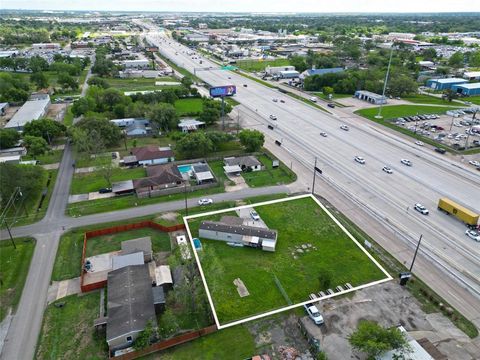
220, 91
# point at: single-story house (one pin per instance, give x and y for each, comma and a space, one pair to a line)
202, 173
3, 108
137, 130
143, 245
151, 155
311, 72
123, 187
370, 97
159, 177
130, 160
187, 125
246, 163
444, 84
129, 305
133, 126
123, 260
228, 231
18, 150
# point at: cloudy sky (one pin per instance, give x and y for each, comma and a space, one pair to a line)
319, 6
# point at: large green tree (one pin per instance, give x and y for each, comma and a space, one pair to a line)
29, 178
45, 128
8, 138
35, 145
374, 340
195, 144
252, 140
107, 132
39, 79
163, 117
456, 60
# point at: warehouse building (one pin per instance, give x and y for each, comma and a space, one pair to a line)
32, 110
444, 84
311, 72
471, 89
370, 97
275, 70
136, 64
290, 74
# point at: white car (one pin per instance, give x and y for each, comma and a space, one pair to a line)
472, 234
421, 209
419, 143
314, 99
359, 159
344, 127
474, 162
205, 201
406, 162
387, 169
273, 117
314, 314
324, 134
254, 215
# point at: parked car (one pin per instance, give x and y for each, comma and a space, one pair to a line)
324, 134
273, 117
474, 162
406, 162
205, 201
359, 159
105, 190
254, 215
387, 169
421, 209
472, 234
344, 127
314, 314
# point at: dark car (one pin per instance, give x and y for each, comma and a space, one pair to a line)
440, 150
331, 105
245, 85
105, 190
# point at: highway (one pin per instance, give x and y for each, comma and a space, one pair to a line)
388, 197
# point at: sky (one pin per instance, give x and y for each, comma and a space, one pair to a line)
316, 6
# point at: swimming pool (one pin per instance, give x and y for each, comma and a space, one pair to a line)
184, 168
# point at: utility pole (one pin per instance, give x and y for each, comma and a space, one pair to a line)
379, 115
223, 111
315, 170
415, 255
186, 203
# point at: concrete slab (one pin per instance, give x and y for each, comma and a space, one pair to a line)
77, 198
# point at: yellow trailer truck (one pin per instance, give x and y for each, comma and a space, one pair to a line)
451, 207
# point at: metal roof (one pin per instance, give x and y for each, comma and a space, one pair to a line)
470, 86
163, 275
238, 229
126, 185
31, 110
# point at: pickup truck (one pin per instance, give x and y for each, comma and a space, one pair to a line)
314, 314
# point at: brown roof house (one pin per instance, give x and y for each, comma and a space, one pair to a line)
130, 305
151, 155
159, 177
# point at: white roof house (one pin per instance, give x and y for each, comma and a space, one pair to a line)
30, 111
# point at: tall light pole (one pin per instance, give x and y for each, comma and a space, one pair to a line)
379, 115
315, 170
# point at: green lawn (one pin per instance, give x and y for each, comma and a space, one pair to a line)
298, 222
189, 106
473, 99
108, 243
232, 343
68, 119
90, 182
426, 99
14, 265
395, 111
260, 65
269, 176
50, 157
68, 333
139, 84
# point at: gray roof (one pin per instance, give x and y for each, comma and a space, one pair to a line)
31, 110
238, 229
122, 186
130, 301
135, 245
120, 261
158, 295
129, 159
200, 168
242, 161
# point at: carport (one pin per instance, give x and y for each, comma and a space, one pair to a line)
234, 169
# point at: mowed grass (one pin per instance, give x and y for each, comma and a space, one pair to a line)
188, 106
231, 343
139, 84
68, 332
473, 99
395, 111
90, 182
50, 157
14, 265
270, 175
426, 99
298, 222
260, 65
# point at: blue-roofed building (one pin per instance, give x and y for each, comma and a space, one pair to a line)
444, 84
311, 72
471, 89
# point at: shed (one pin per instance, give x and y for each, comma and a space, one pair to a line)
163, 277
121, 261
187, 125
158, 299
143, 245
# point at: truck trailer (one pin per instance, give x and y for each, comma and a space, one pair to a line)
467, 216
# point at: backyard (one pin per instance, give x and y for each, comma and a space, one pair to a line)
328, 253
260, 64
92, 181
14, 264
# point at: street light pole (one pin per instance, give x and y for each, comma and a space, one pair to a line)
314, 173
379, 115
186, 203
416, 251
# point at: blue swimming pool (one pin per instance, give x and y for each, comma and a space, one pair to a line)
184, 168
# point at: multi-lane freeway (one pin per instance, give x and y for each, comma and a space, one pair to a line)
388, 197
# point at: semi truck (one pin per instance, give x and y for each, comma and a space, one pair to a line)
465, 215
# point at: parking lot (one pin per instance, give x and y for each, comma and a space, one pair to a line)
457, 129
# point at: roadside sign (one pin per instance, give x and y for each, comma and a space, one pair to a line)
221, 91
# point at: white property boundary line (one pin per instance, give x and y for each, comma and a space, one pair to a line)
219, 326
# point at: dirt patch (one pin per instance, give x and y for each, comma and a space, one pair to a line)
170, 217
161, 258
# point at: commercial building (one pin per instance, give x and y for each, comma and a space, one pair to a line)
136, 64
470, 89
311, 72
444, 84
275, 70
370, 97
30, 111
289, 74
472, 75
46, 46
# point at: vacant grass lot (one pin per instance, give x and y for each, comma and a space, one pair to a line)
269, 176
298, 222
50, 157
260, 65
68, 333
90, 182
138, 84
395, 111
188, 106
14, 264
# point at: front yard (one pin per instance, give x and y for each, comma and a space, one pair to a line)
269, 175
90, 182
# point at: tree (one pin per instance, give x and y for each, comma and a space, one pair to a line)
82, 106
29, 178
8, 138
299, 63
37, 64
98, 81
210, 115
187, 82
195, 144
164, 117
105, 167
449, 94
39, 79
109, 134
327, 90
402, 85
252, 140
45, 128
35, 145
474, 59
67, 81
168, 324
325, 278
456, 60
375, 340
218, 137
